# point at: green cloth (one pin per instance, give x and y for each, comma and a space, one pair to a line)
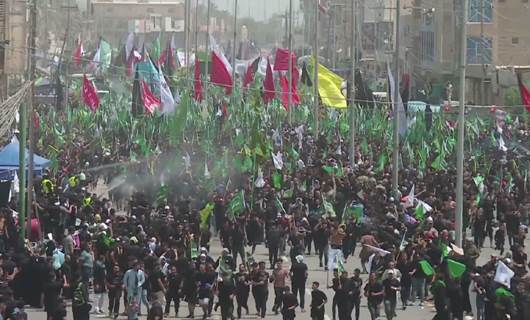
205, 214
328, 208
277, 180
420, 213
236, 205
502, 293
427, 268
456, 269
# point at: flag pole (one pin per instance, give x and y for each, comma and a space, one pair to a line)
31, 127
290, 71
353, 67
196, 27
187, 37
315, 71
395, 155
206, 63
461, 124
234, 50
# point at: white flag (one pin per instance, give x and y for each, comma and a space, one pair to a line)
206, 171
278, 161
503, 275
402, 116
410, 198
260, 182
129, 44
166, 97
96, 60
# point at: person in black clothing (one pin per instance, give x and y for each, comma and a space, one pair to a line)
299, 278
318, 301
356, 284
260, 281
273, 241
242, 279
289, 303
226, 297
52, 291
174, 280
391, 286
374, 291
115, 289
237, 239
404, 265
336, 288
321, 239
342, 297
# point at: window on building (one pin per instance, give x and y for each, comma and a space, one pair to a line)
479, 50
427, 46
476, 10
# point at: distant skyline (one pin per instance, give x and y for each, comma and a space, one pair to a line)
258, 9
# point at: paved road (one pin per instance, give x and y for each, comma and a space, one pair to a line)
315, 274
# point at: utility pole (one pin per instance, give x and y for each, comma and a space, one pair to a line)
26, 194
196, 28
234, 50
315, 70
461, 123
395, 155
206, 63
290, 71
187, 6
353, 54
483, 99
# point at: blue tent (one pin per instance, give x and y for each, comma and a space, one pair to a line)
9, 161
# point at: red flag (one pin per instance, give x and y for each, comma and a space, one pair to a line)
198, 82
220, 74
281, 61
36, 121
284, 83
78, 53
251, 71
90, 94
150, 101
525, 94
268, 85
163, 57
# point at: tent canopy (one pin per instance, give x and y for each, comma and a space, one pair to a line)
9, 159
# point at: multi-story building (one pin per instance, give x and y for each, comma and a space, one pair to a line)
497, 35
115, 18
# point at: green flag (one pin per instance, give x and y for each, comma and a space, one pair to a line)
328, 208
445, 250
205, 214
353, 211
340, 265
155, 49
236, 205
105, 51
381, 163
427, 268
279, 205
456, 269
194, 252
419, 213
277, 180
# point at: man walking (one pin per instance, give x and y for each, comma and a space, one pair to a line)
318, 301
299, 278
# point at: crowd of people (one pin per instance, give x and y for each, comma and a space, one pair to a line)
139, 255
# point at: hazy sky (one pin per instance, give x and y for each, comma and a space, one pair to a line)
258, 9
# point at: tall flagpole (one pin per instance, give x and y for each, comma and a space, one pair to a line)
206, 63
353, 67
315, 70
187, 6
290, 71
461, 122
234, 49
395, 155
196, 27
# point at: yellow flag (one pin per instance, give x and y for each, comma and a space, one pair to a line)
329, 85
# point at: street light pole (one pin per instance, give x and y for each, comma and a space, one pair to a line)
234, 50
461, 123
315, 70
395, 155
290, 71
353, 67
